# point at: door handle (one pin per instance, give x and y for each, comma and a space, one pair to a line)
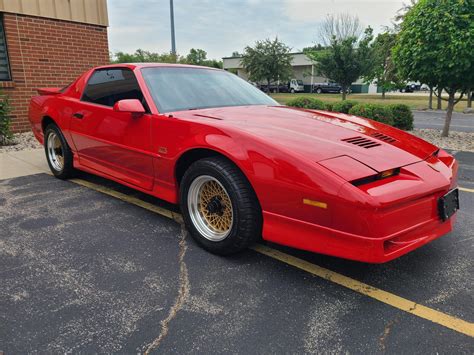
78, 115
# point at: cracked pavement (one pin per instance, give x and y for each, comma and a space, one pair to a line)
81, 271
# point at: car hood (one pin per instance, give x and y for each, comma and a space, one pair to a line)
320, 135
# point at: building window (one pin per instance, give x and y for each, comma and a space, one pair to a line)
4, 67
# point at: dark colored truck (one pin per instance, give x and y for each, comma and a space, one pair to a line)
328, 87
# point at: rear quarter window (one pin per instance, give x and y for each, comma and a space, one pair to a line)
107, 86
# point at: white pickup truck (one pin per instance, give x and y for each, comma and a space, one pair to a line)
296, 86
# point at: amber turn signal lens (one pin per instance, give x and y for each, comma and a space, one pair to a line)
319, 204
387, 173
379, 176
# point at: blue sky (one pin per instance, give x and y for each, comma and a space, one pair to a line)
223, 26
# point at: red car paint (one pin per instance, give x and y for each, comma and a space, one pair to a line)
289, 155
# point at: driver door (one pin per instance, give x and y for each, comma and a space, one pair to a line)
115, 143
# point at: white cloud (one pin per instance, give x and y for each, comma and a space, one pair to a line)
221, 27
376, 13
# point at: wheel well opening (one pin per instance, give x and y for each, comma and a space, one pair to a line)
46, 121
185, 161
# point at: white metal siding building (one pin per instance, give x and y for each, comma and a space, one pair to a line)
303, 69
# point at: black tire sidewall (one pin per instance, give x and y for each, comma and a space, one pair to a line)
68, 169
240, 235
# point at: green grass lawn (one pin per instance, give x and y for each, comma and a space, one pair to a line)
414, 101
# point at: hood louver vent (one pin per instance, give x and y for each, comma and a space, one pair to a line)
383, 137
361, 142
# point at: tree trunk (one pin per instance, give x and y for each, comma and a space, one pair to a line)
268, 86
430, 102
440, 92
383, 93
449, 113
469, 98
344, 93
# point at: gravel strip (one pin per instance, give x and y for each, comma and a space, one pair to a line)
22, 141
456, 141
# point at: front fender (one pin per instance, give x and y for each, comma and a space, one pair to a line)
281, 179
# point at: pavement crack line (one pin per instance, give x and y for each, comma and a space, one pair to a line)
433, 315
183, 293
386, 332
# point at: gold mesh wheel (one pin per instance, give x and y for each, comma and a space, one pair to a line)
55, 151
210, 208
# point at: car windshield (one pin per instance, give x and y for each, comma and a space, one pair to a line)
176, 89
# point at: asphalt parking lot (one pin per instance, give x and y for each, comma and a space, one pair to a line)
83, 271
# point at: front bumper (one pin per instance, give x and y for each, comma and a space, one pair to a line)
306, 236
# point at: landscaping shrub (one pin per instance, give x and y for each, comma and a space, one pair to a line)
329, 106
344, 106
5, 120
402, 116
306, 102
375, 112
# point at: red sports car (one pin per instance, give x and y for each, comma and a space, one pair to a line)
242, 167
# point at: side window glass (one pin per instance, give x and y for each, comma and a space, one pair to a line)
107, 86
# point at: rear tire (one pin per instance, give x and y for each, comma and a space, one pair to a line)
220, 208
58, 154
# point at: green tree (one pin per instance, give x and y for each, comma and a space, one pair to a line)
383, 70
143, 56
122, 57
199, 57
213, 63
316, 47
196, 56
434, 46
268, 60
347, 56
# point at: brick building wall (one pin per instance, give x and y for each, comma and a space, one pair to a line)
47, 53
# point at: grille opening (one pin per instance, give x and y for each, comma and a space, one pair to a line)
361, 142
383, 137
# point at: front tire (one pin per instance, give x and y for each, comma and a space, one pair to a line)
220, 208
319, 90
58, 154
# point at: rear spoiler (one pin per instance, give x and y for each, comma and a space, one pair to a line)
49, 91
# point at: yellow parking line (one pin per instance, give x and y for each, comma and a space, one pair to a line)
466, 189
401, 303
129, 199
456, 324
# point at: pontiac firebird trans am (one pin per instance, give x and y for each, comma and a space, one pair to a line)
242, 167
